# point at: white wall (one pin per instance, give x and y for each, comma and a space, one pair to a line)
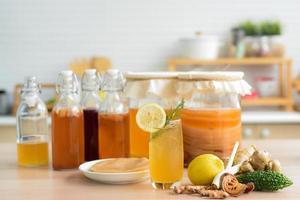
40, 37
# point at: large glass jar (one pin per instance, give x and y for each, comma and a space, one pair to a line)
67, 124
142, 88
113, 117
211, 118
32, 127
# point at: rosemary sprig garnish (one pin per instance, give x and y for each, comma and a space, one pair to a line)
170, 116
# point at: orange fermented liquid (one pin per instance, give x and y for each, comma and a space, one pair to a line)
67, 139
210, 131
113, 135
139, 139
32, 154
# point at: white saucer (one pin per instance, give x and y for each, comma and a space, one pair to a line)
113, 178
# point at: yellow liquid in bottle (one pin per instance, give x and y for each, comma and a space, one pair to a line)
32, 154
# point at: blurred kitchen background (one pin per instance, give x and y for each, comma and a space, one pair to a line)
260, 38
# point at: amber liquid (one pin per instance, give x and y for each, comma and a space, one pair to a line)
113, 135
166, 156
32, 154
91, 151
139, 139
67, 139
210, 131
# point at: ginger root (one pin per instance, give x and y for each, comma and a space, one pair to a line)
189, 189
259, 160
203, 191
244, 154
230, 187
274, 165
214, 194
253, 159
246, 167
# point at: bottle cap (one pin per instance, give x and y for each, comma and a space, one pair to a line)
90, 71
67, 81
66, 73
31, 85
113, 80
90, 80
29, 91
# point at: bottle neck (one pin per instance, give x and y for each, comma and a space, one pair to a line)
31, 94
90, 90
113, 91
67, 93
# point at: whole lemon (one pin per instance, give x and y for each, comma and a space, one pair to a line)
204, 168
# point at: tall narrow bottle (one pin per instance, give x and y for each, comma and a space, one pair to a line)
113, 117
90, 103
32, 127
67, 124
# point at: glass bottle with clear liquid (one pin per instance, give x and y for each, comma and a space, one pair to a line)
67, 124
90, 103
32, 127
113, 117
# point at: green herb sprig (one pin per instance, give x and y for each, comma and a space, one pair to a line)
172, 115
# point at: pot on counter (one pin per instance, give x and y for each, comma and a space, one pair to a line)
266, 86
202, 46
3, 102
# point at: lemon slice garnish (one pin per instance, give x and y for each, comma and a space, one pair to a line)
151, 117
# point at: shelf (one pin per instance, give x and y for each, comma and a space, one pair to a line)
229, 61
271, 101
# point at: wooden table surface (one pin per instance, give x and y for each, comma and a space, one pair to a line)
44, 183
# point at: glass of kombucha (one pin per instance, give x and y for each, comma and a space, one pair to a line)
113, 117
211, 118
67, 125
142, 88
32, 127
166, 156
90, 103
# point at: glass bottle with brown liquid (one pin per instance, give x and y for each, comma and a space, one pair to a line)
67, 124
90, 103
113, 117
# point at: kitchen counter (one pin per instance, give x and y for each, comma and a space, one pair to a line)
43, 183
